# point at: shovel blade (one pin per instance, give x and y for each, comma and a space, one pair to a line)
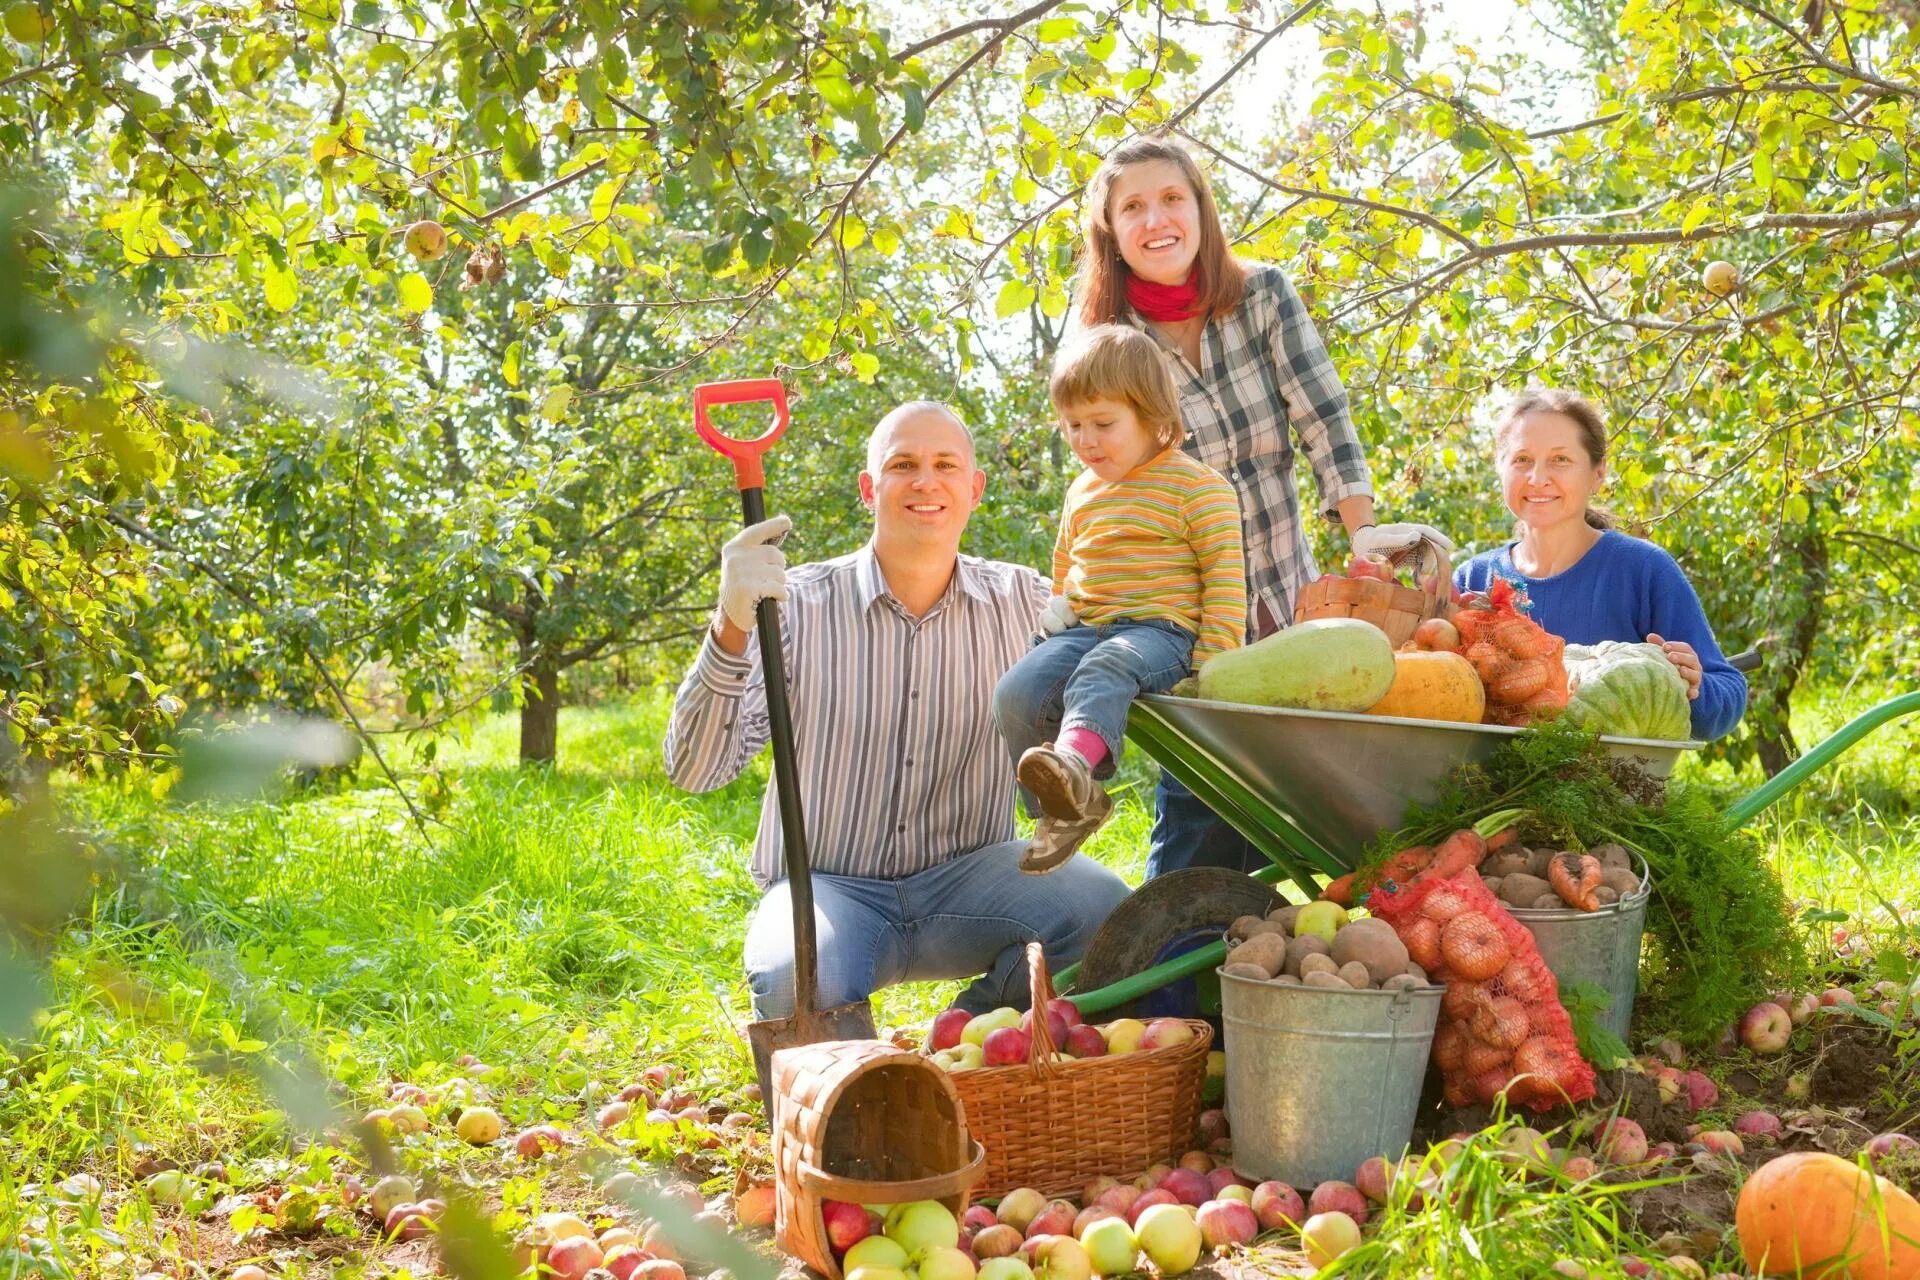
845, 1022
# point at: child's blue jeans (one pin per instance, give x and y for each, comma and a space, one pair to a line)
1085, 678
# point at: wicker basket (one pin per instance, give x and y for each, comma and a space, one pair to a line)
1395, 609
1054, 1125
865, 1122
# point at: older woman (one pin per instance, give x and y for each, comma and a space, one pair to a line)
1587, 581
1257, 389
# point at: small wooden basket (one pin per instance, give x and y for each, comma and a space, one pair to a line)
1054, 1125
1395, 609
865, 1122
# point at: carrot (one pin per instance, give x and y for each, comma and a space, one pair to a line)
1464, 850
1501, 839
1575, 877
1341, 890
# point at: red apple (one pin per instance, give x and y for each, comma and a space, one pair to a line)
1220, 1177
573, 1257
1120, 1199
1069, 1011
623, 1260
1164, 1033
754, 1206
1757, 1124
1766, 1028
1089, 1215
1722, 1142
660, 1269
947, 1026
1437, 633
1000, 1241
1278, 1205
1701, 1092
1836, 996
1334, 1196
1085, 1041
1054, 1220
1057, 1027
1187, 1187
847, 1224
1891, 1144
1622, 1141
661, 1074
1148, 1199
977, 1218
1211, 1125
1373, 1177
1007, 1047
538, 1141
1226, 1222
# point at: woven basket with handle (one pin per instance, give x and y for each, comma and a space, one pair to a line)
868, 1123
1054, 1125
1395, 609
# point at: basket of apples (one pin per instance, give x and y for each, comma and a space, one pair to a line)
1372, 590
1055, 1100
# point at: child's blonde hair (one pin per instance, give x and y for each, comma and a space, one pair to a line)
1118, 362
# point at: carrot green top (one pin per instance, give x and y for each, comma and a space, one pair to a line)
1161, 542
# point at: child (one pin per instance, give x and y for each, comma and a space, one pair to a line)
1150, 577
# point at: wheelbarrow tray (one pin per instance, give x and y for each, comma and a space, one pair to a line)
1339, 779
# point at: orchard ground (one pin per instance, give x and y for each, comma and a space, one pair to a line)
572, 927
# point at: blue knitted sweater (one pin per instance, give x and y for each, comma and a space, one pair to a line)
1625, 588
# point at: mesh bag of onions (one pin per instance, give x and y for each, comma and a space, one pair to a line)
1502, 1028
1521, 665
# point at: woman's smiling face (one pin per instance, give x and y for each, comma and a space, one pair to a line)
1154, 216
1546, 474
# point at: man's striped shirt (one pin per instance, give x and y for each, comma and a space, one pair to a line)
900, 767
1161, 542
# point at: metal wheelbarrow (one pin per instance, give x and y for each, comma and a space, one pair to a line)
1309, 789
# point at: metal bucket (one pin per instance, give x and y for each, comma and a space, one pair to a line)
1319, 1080
1598, 947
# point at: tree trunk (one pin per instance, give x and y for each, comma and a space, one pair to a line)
1773, 729
540, 713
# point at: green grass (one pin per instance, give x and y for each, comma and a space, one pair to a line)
566, 925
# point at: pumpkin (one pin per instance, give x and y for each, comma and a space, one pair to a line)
1813, 1214
1433, 686
1627, 690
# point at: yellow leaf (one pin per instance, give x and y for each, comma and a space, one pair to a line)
416, 295
283, 287
554, 406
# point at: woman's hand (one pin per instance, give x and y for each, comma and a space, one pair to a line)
1684, 660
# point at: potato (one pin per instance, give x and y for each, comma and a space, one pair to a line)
1245, 970
1508, 861
1522, 889
1325, 980
1242, 929
1402, 981
1316, 963
1287, 980
1307, 946
1418, 974
1283, 916
1267, 950
1539, 861
1374, 945
1612, 855
1493, 884
1355, 975
1621, 881
1606, 896
1548, 902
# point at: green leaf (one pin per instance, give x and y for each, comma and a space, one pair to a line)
510, 364
916, 101
553, 406
1015, 296
865, 365
282, 286
1702, 210
416, 295
1056, 29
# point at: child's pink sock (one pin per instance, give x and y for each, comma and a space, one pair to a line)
1084, 743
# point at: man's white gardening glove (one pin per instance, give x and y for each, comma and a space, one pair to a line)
752, 569
1056, 616
1386, 540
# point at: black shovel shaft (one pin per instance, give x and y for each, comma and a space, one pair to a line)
786, 785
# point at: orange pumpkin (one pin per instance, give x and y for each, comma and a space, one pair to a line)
1815, 1215
1433, 686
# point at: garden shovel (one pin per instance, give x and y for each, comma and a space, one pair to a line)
809, 1024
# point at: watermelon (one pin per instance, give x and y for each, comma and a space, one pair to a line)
1627, 691
1329, 664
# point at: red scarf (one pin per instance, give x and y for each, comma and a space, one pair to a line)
1165, 303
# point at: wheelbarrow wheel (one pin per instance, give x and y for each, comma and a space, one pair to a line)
1165, 917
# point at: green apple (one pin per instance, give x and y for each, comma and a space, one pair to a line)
1320, 919
876, 1251
1123, 1034
962, 1057
940, 1262
1170, 1237
1008, 1268
982, 1025
920, 1224
876, 1273
1110, 1245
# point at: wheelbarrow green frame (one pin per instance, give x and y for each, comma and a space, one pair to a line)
1295, 856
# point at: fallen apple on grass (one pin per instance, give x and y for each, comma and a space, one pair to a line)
997, 1241
940, 1262
1148, 1200
396, 1189
1058, 1257
1278, 1206
1226, 1222
753, 1207
1329, 1235
1766, 1028
1170, 1237
537, 1141
1111, 1246
1334, 1196
1054, 1220
478, 1126
1009, 1267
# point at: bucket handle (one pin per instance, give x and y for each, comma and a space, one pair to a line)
833, 1186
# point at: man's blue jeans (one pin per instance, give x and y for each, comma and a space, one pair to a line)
1085, 678
969, 917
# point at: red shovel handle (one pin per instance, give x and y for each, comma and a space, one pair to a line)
747, 472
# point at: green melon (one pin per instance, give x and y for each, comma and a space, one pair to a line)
1628, 691
1329, 664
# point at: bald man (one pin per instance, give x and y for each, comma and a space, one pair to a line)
892, 654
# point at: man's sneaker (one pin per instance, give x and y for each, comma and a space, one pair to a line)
1057, 839
1061, 782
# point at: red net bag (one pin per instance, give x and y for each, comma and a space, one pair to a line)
1519, 662
1502, 1028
